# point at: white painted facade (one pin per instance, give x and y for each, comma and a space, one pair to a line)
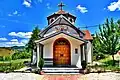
74, 44
62, 27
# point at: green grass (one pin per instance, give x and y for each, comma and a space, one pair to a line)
15, 61
108, 64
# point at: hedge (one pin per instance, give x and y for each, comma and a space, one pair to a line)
10, 66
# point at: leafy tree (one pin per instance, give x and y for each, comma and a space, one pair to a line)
118, 22
107, 40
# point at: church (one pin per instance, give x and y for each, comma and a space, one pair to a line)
61, 43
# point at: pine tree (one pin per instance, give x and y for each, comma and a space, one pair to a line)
31, 43
34, 36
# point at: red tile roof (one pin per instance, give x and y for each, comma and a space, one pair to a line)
87, 35
61, 12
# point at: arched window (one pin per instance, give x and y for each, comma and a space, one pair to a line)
51, 20
71, 20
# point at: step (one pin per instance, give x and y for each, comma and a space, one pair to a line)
61, 70
62, 73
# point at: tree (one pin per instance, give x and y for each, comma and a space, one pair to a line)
34, 36
107, 40
118, 22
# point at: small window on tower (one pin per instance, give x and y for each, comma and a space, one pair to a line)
52, 20
70, 20
76, 51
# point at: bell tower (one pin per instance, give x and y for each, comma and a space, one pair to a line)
55, 15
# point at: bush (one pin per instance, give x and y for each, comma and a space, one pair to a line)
21, 55
10, 66
41, 63
100, 56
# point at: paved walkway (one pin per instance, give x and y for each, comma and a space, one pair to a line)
61, 77
31, 76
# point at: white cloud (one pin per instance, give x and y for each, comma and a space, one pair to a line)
10, 15
16, 12
21, 34
14, 40
14, 43
25, 41
48, 5
3, 39
27, 3
82, 9
114, 6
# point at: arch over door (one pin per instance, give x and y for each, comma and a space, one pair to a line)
61, 52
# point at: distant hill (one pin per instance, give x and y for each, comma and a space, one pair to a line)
6, 51
18, 47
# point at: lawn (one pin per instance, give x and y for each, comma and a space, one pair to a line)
15, 61
107, 63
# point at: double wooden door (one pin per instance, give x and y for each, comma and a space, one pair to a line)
62, 52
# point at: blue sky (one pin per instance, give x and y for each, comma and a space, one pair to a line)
18, 17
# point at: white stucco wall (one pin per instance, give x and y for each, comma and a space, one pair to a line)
74, 57
47, 50
74, 43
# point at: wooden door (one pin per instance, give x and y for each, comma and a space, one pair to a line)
61, 52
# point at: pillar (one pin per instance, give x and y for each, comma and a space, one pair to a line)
85, 51
38, 56
81, 48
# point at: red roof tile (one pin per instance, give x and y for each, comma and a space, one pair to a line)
61, 12
87, 35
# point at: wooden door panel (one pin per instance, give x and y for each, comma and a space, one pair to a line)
62, 54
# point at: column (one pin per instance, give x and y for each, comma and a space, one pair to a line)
91, 51
38, 55
85, 51
79, 60
81, 48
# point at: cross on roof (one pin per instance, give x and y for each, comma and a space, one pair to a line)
61, 5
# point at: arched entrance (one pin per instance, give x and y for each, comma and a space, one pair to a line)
61, 52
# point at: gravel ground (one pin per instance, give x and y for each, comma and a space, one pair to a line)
31, 76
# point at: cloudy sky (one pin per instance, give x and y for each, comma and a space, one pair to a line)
18, 17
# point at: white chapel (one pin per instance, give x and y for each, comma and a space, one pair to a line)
61, 43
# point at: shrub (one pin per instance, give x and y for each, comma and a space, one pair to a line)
41, 63
10, 66
100, 56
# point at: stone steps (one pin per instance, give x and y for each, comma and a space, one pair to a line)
61, 70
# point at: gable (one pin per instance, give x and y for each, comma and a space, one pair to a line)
61, 23
60, 33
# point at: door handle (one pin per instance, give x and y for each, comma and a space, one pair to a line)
61, 55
